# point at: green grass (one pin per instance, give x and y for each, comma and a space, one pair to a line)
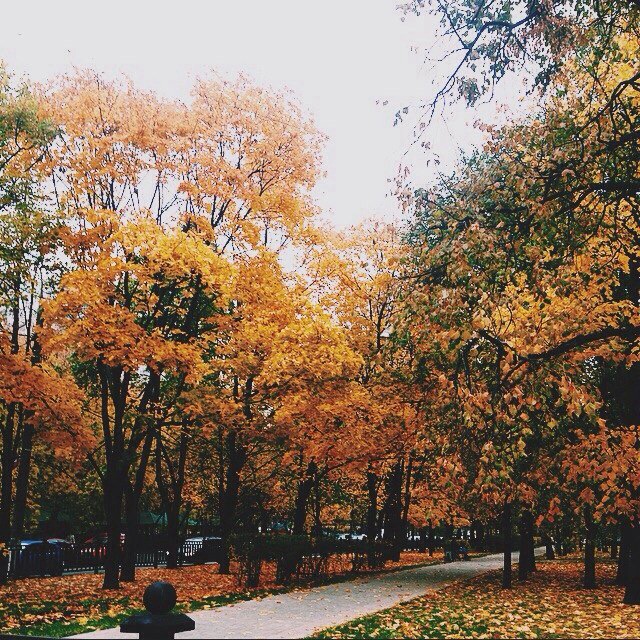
61, 628
551, 603
436, 624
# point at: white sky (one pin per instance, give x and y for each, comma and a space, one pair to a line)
338, 57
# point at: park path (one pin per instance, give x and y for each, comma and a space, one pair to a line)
300, 613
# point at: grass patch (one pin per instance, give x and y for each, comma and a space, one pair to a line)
551, 604
83, 624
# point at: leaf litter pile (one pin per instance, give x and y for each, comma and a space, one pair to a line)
76, 602
551, 604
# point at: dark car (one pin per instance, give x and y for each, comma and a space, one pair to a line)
201, 549
39, 558
96, 546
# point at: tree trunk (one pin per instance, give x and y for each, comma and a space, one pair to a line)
632, 592
530, 542
423, 540
170, 486
506, 546
6, 487
523, 559
22, 480
316, 529
406, 503
173, 537
432, 540
549, 553
589, 550
393, 511
559, 543
229, 497
478, 535
305, 487
113, 491
8, 444
132, 495
623, 554
26, 445
129, 552
372, 516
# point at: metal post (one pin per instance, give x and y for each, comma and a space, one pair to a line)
158, 623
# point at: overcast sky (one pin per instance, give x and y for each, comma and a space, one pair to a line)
342, 59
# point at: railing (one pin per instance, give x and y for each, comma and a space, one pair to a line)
41, 559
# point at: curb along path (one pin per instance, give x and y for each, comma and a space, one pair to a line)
298, 614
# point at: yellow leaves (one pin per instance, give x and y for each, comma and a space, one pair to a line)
238, 159
623, 259
110, 307
53, 397
549, 604
311, 348
587, 495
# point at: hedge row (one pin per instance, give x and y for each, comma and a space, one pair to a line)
303, 558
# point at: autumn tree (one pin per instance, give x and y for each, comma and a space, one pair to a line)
527, 259
33, 394
489, 41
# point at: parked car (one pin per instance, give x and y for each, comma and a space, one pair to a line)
38, 558
201, 549
96, 546
351, 536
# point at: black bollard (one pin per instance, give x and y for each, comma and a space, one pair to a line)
158, 623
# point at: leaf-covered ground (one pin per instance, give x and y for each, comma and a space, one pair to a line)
75, 603
551, 604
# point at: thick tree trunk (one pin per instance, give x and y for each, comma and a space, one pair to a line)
132, 495
26, 445
523, 559
372, 516
423, 540
129, 552
530, 542
478, 535
229, 497
549, 553
170, 486
372, 506
623, 554
230, 489
113, 492
6, 487
506, 546
22, 480
432, 540
560, 548
173, 537
316, 529
589, 550
406, 503
632, 591
8, 436
393, 512
305, 487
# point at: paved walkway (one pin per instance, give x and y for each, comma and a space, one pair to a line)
298, 614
